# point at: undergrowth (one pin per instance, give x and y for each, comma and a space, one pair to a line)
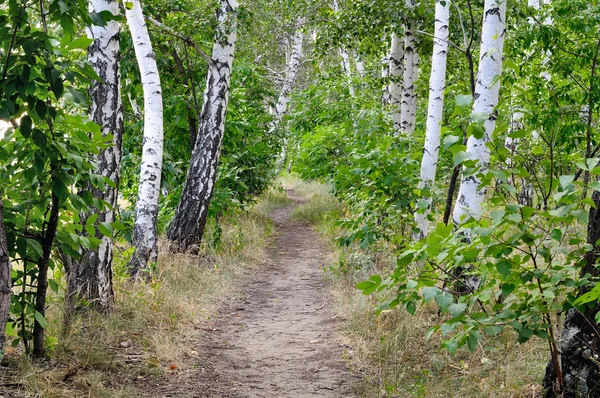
149, 335
390, 350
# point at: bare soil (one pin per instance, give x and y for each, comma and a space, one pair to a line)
277, 338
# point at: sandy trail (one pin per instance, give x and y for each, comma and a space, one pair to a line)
278, 339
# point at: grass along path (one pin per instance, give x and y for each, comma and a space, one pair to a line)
276, 339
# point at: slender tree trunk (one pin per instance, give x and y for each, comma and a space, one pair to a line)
396, 72
345, 57
5, 281
409, 95
487, 90
145, 234
385, 73
188, 225
573, 370
435, 108
39, 347
291, 70
90, 278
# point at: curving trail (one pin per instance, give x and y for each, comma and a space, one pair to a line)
278, 340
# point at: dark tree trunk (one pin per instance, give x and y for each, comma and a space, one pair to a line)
578, 374
90, 278
5, 281
188, 225
39, 348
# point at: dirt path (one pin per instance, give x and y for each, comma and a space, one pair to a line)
278, 339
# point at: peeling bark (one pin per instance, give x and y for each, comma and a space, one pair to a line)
435, 108
5, 281
145, 234
188, 225
487, 91
90, 278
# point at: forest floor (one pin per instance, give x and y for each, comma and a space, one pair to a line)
276, 338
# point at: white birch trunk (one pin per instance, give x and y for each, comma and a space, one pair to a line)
188, 225
90, 278
487, 90
385, 73
360, 67
396, 72
145, 234
291, 70
345, 58
409, 96
435, 108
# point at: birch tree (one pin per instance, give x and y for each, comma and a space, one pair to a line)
291, 70
90, 277
435, 108
396, 72
487, 91
411, 59
145, 234
188, 225
345, 57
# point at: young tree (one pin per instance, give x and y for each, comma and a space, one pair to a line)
291, 70
435, 109
145, 234
345, 57
396, 71
90, 277
5, 281
487, 91
188, 224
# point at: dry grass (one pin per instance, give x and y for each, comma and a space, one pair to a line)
151, 331
390, 350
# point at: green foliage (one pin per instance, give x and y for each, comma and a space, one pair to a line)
47, 153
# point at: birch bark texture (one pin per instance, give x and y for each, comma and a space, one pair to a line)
291, 71
385, 73
5, 281
345, 57
90, 278
435, 109
411, 59
145, 233
396, 73
487, 91
189, 222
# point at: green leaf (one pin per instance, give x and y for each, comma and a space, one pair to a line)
457, 309
444, 300
504, 268
81, 43
464, 101
450, 140
472, 342
411, 307
430, 292
41, 320
106, 229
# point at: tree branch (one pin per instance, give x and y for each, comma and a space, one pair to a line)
189, 41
